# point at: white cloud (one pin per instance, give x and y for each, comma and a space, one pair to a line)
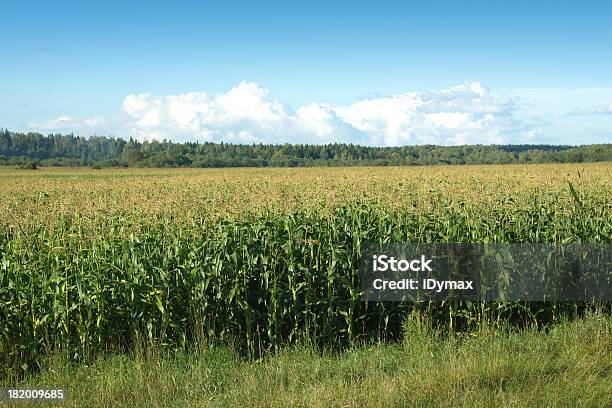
466, 113
592, 110
67, 123
94, 121
55, 123
243, 114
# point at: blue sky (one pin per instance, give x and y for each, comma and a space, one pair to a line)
381, 73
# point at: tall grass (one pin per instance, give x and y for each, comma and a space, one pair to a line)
568, 365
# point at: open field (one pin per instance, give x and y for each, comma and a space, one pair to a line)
106, 262
46, 195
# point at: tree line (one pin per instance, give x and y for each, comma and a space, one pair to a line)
33, 149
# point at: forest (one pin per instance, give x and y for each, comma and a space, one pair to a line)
30, 150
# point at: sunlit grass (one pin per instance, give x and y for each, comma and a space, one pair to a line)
568, 366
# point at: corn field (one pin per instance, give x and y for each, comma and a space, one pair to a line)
105, 261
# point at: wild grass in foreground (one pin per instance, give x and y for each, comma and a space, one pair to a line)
568, 365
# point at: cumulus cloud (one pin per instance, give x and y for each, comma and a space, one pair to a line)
466, 113
245, 113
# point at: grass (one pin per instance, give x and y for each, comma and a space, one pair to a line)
568, 365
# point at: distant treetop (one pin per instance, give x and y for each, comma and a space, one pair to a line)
101, 151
